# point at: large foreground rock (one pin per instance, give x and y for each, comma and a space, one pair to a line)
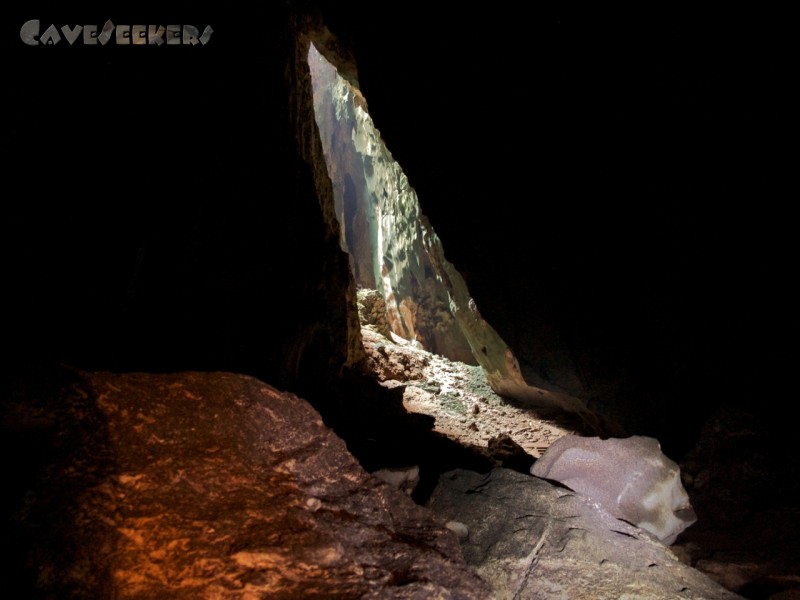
533, 540
202, 485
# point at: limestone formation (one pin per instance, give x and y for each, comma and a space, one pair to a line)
531, 540
629, 477
372, 311
379, 216
394, 248
203, 485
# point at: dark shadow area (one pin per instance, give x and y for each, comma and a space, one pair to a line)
381, 433
56, 448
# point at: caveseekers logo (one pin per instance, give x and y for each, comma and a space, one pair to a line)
122, 35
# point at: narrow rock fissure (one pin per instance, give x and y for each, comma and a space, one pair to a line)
422, 333
409, 295
381, 226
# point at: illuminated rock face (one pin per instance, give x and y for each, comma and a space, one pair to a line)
204, 485
394, 248
380, 219
530, 539
630, 478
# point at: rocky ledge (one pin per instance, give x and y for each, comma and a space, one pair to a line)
217, 485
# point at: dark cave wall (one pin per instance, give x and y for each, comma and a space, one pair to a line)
608, 184
168, 211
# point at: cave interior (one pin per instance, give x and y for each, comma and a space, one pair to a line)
606, 183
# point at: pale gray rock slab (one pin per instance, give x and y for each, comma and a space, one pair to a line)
629, 477
531, 539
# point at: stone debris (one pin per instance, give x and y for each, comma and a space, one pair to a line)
533, 540
460, 399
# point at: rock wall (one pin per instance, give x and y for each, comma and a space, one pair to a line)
208, 242
595, 149
380, 217
395, 250
202, 485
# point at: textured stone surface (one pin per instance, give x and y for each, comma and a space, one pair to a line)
629, 477
395, 249
372, 311
605, 260
463, 405
380, 217
204, 485
532, 540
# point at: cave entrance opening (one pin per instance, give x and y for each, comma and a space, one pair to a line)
402, 294
410, 295
407, 290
